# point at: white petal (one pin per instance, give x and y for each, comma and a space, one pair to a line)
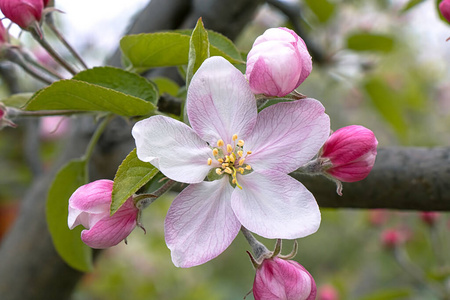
177, 150
275, 205
220, 102
287, 135
200, 223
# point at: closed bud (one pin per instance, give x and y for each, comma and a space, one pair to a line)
4, 121
351, 151
25, 13
444, 7
277, 278
90, 205
429, 217
277, 63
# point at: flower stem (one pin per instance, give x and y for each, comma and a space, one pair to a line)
50, 22
17, 58
32, 61
14, 112
51, 51
257, 247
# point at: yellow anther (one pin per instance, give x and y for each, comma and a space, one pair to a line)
227, 159
220, 160
240, 143
234, 137
215, 152
209, 161
240, 153
234, 181
218, 171
249, 152
228, 170
247, 167
232, 158
224, 165
229, 148
241, 161
241, 170
220, 143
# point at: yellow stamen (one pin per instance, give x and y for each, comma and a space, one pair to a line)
249, 152
232, 158
220, 143
224, 165
218, 171
229, 148
240, 143
234, 137
215, 152
227, 159
241, 162
247, 167
240, 153
228, 170
209, 161
233, 181
241, 170
220, 160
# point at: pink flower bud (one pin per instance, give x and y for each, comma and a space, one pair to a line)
391, 238
328, 292
89, 206
4, 121
3, 35
352, 151
444, 7
277, 63
277, 278
24, 13
429, 217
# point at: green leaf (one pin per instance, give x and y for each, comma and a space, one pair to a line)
387, 104
198, 50
323, 9
17, 100
162, 49
410, 4
121, 81
79, 95
389, 294
165, 85
67, 242
363, 41
131, 175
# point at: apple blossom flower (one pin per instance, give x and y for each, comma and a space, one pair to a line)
279, 279
278, 62
24, 13
444, 7
351, 150
89, 206
249, 155
53, 127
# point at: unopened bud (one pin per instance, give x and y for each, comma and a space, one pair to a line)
444, 8
25, 13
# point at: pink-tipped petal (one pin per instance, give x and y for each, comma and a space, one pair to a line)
287, 135
173, 147
90, 203
111, 230
220, 102
275, 205
200, 223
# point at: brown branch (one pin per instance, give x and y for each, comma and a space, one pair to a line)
404, 178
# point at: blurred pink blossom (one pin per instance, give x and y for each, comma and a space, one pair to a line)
328, 292
54, 127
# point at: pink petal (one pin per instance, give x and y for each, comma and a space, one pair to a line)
287, 135
173, 147
220, 102
111, 230
275, 205
200, 223
89, 203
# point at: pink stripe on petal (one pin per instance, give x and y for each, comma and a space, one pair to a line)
200, 223
287, 135
275, 205
177, 150
220, 102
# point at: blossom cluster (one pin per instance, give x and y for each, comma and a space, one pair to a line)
246, 157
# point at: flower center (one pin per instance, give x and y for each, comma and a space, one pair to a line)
231, 159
